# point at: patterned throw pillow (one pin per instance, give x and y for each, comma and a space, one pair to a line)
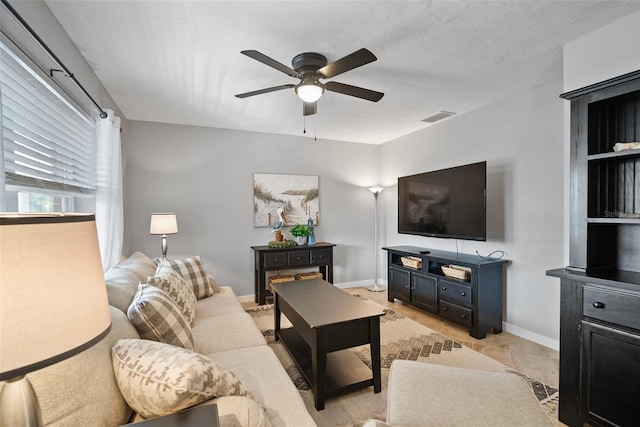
193, 273
156, 379
179, 291
157, 317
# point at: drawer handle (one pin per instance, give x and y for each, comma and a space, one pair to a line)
444, 288
445, 308
464, 316
598, 305
463, 294
298, 258
275, 260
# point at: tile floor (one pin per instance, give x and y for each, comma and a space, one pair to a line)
534, 360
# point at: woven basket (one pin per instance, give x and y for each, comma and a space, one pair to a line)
309, 276
411, 261
457, 272
280, 279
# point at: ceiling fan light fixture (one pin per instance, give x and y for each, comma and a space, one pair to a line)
309, 91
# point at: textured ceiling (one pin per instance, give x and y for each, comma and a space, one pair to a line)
180, 62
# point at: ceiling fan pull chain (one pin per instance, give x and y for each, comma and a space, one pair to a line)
304, 124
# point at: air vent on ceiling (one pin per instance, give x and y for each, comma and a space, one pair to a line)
438, 116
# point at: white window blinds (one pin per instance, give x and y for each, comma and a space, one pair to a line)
46, 142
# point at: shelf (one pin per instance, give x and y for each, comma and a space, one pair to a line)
613, 220
614, 155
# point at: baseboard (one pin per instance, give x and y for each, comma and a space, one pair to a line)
531, 336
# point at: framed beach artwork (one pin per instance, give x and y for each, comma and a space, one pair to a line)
297, 195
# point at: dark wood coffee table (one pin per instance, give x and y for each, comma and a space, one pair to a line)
326, 322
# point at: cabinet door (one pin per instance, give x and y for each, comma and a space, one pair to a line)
399, 281
423, 292
610, 393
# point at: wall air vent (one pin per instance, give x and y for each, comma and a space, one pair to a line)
438, 116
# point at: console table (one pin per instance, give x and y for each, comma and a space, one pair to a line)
475, 303
269, 259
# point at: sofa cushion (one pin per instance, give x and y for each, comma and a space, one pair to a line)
192, 270
261, 372
157, 317
139, 264
225, 332
121, 287
81, 390
122, 279
174, 285
222, 302
158, 379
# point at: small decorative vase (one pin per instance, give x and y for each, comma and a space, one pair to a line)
300, 240
312, 238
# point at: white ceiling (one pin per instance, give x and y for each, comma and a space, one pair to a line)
180, 62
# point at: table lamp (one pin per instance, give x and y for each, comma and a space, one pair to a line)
53, 301
163, 223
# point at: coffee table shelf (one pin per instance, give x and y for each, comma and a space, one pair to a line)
345, 372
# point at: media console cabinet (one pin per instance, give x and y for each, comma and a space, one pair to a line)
476, 303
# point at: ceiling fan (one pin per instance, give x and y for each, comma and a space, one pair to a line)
310, 67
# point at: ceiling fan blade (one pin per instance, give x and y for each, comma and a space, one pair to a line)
309, 108
267, 90
349, 62
358, 92
260, 57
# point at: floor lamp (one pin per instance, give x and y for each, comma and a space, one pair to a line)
376, 189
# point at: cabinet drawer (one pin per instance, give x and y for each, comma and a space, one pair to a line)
299, 258
275, 259
454, 291
320, 256
621, 308
456, 313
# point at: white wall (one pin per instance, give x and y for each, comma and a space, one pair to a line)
521, 139
608, 52
206, 176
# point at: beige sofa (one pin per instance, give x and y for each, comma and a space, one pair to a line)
82, 390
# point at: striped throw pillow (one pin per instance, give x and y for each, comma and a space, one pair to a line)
174, 285
157, 317
193, 273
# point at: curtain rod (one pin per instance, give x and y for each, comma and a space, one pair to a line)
43, 45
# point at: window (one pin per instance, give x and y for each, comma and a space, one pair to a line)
47, 145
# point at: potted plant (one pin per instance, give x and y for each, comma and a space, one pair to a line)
300, 233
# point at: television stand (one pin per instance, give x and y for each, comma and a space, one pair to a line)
474, 301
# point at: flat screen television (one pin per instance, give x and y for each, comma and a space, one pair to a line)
448, 203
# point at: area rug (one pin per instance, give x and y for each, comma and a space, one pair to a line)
401, 338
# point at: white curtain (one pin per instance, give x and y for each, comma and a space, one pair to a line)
109, 205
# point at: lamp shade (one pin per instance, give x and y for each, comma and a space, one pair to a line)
163, 223
53, 299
